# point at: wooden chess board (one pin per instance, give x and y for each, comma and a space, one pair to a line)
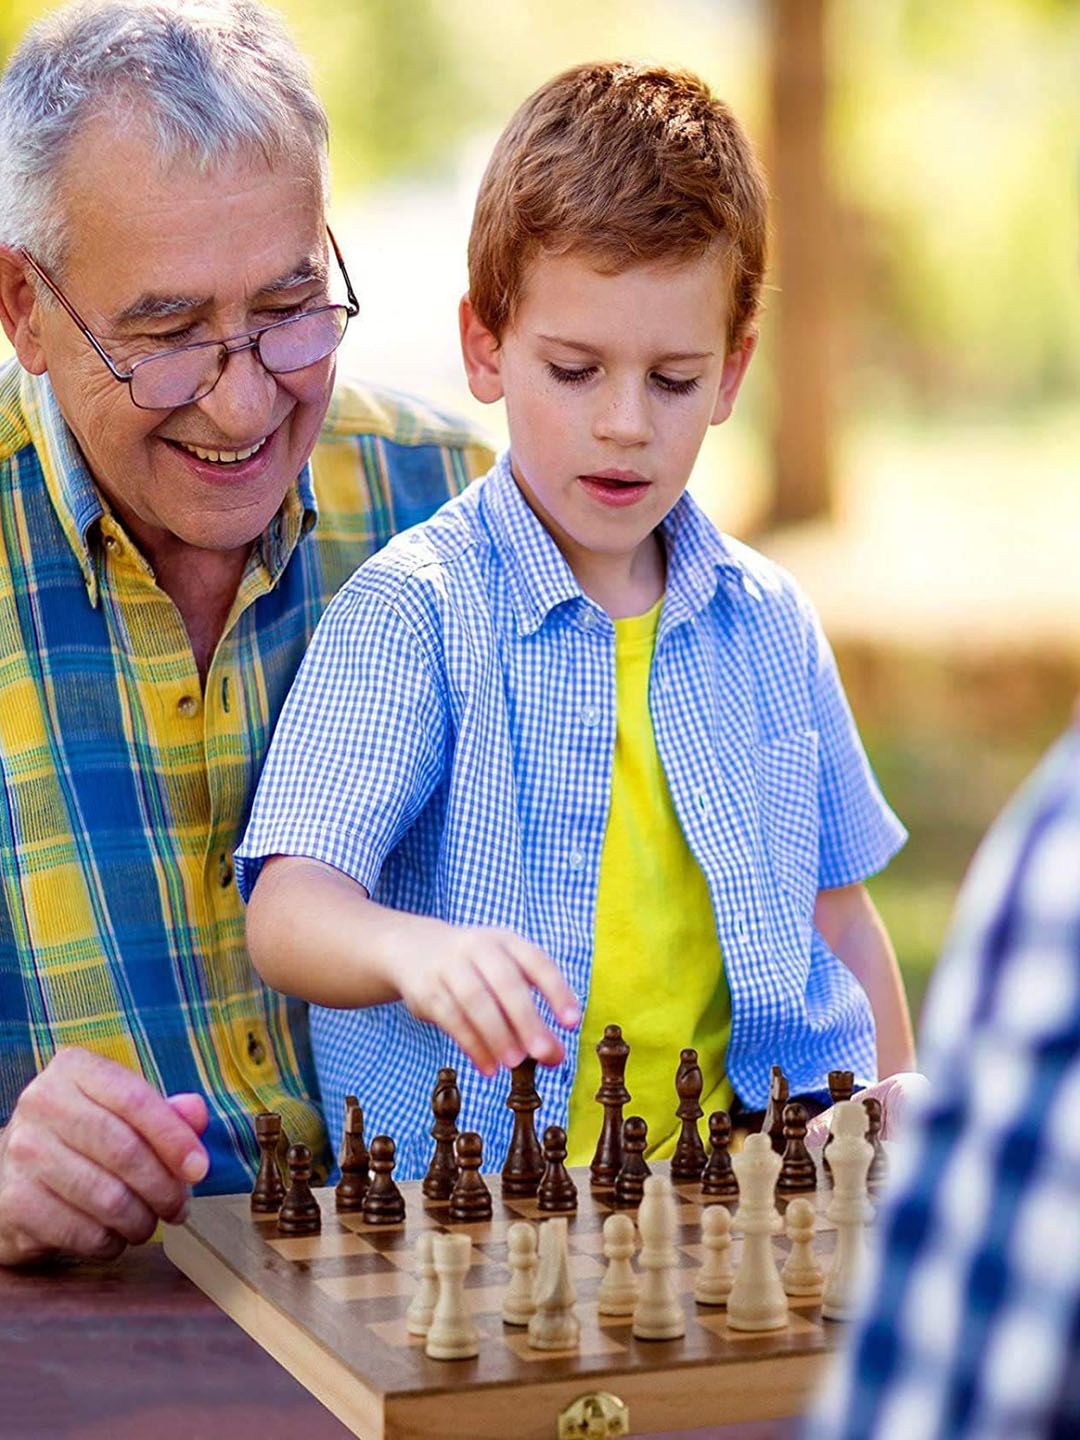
331, 1309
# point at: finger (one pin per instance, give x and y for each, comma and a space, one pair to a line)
514, 996
468, 989
191, 1108
35, 1224
129, 1097
544, 975
449, 1016
97, 1195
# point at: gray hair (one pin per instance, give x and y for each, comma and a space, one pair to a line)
213, 77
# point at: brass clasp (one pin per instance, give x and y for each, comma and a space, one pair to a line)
598, 1416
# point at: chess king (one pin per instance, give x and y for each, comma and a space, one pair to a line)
564, 754
183, 487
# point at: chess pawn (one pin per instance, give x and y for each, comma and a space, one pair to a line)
798, 1174
269, 1189
658, 1314
524, 1167
757, 1300
353, 1185
452, 1334
848, 1207
713, 1282
773, 1124
879, 1166
554, 1324
557, 1191
688, 1161
421, 1309
519, 1302
470, 1198
446, 1107
630, 1181
384, 1203
613, 1052
841, 1087
718, 1178
618, 1290
299, 1213
801, 1274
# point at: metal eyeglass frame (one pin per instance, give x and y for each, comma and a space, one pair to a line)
228, 343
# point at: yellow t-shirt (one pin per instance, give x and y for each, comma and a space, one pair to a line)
657, 968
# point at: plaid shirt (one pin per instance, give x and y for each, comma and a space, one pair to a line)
449, 744
972, 1324
123, 785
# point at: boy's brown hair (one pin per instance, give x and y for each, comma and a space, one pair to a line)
629, 164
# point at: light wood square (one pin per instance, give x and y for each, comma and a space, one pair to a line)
330, 1245
376, 1286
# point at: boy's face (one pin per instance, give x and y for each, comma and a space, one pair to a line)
610, 383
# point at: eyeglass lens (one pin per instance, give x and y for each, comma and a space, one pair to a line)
163, 382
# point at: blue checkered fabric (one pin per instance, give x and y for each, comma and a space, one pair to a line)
971, 1322
449, 744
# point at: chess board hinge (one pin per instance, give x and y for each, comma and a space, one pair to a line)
595, 1416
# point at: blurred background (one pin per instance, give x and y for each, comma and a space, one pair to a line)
907, 443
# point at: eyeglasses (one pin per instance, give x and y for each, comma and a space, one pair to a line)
189, 372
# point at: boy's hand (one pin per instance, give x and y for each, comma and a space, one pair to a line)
899, 1095
477, 984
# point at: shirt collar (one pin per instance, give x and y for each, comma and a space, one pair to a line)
540, 578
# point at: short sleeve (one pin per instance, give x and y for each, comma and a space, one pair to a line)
359, 746
859, 833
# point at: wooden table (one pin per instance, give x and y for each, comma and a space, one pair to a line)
133, 1351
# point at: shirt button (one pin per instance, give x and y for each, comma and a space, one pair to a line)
112, 544
588, 620
577, 859
741, 928
590, 715
702, 801
255, 1048
225, 872
188, 706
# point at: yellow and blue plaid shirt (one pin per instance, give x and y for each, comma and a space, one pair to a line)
124, 783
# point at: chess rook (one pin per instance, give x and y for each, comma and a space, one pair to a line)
688, 1161
613, 1052
446, 1107
269, 1189
841, 1085
879, 1166
524, 1166
453, 1334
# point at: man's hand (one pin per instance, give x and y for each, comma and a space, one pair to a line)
477, 984
92, 1158
898, 1095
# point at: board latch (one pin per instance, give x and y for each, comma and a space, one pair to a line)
594, 1417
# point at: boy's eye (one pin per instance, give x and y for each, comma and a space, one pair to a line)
570, 377
672, 386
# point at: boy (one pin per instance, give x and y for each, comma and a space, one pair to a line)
564, 751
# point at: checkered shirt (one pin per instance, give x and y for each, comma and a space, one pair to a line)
124, 784
971, 1323
449, 744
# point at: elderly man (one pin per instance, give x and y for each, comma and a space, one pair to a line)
177, 506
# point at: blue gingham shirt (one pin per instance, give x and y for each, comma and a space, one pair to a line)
971, 1326
449, 742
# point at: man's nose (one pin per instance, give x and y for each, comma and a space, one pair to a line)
623, 415
243, 399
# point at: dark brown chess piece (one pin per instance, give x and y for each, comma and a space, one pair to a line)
688, 1161
773, 1124
798, 1174
557, 1191
384, 1203
612, 1095
470, 1198
269, 1189
841, 1087
299, 1213
353, 1185
524, 1164
446, 1107
719, 1175
878, 1174
630, 1181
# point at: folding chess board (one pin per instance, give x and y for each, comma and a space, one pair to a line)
331, 1309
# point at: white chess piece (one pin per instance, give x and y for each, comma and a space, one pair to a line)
519, 1301
713, 1282
618, 1290
801, 1274
452, 1335
422, 1307
757, 1300
658, 1314
555, 1325
850, 1155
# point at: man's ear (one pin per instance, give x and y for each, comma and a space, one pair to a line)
481, 354
736, 364
19, 312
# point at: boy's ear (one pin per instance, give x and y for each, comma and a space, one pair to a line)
18, 311
736, 364
480, 351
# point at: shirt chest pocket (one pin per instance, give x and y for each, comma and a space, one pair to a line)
787, 776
